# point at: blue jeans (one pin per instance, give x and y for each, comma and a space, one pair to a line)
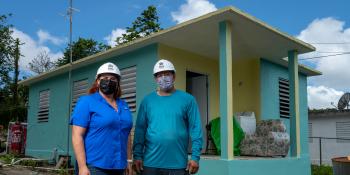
163, 171
99, 171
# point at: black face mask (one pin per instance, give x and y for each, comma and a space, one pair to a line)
108, 87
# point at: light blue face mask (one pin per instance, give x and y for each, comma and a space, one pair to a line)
165, 82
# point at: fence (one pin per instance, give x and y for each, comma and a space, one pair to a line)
323, 149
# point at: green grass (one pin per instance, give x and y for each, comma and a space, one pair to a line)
7, 158
321, 170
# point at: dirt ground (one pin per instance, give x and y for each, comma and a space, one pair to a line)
21, 171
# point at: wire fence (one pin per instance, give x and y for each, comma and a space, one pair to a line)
323, 149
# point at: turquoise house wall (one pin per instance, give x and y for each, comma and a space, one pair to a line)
44, 137
268, 166
269, 75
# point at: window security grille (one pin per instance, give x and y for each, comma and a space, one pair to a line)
343, 131
80, 88
44, 106
283, 85
128, 86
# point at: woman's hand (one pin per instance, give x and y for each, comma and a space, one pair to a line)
129, 170
84, 171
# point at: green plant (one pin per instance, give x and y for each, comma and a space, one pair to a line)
31, 163
7, 158
64, 171
321, 170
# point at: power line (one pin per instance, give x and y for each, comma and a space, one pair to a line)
332, 43
345, 53
332, 52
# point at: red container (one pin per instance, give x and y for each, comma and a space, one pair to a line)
16, 138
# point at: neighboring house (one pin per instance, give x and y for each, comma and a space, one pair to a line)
329, 124
229, 60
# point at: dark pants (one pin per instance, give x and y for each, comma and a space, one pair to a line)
162, 171
99, 171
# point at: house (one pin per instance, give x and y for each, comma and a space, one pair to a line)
229, 60
326, 128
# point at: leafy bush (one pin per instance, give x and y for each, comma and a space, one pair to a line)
321, 170
7, 158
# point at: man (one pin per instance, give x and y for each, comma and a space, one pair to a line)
166, 119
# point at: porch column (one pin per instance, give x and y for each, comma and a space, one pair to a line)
226, 112
294, 102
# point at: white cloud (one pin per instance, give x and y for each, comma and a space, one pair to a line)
31, 48
335, 69
113, 36
322, 97
192, 9
46, 36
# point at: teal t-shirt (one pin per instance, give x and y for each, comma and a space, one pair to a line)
165, 125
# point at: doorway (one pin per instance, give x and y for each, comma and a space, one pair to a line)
197, 86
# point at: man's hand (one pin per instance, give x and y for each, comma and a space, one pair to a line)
192, 167
84, 170
138, 166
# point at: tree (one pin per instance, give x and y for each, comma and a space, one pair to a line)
144, 25
16, 56
13, 98
41, 63
81, 48
6, 50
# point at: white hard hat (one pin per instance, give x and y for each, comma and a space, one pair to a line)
163, 65
108, 68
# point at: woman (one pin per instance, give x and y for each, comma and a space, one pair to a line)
101, 126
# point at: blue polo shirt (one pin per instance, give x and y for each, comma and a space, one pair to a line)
165, 125
107, 130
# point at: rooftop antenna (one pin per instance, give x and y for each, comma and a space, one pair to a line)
70, 14
332, 103
344, 101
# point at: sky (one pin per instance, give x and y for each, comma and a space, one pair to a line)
43, 26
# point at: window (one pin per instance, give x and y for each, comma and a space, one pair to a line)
80, 88
283, 85
128, 86
310, 133
343, 131
44, 105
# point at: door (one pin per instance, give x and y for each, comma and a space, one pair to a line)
197, 85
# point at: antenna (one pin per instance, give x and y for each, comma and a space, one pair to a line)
344, 101
70, 14
332, 103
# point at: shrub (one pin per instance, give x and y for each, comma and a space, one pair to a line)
7, 158
321, 170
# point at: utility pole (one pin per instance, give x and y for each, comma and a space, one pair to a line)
70, 14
